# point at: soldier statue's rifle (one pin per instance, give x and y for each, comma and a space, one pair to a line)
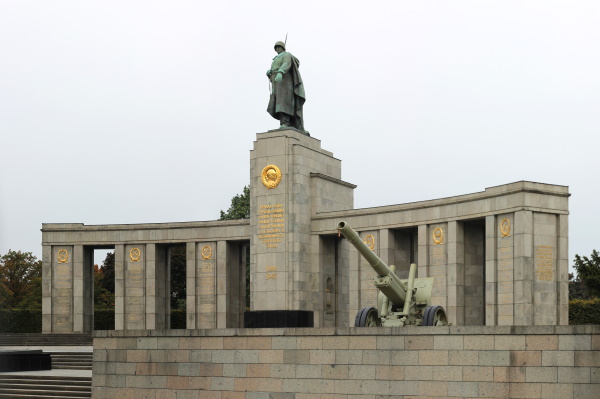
399, 302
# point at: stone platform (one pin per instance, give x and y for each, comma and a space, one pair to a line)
313, 363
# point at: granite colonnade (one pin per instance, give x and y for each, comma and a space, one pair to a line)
499, 257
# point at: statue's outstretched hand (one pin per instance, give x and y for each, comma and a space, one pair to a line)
269, 73
279, 77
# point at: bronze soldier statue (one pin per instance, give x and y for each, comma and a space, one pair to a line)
287, 91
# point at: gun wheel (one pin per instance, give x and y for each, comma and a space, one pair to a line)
434, 316
367, 317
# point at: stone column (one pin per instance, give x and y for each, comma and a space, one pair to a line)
157, 288
83, 300
490, 272
368, 291
207, 254
456, 274
119, 287
223, 288
523, 269
438, 260
545, 269
423, 256
47, 288
62, 289
135, 295
354, 284
190, 286
562, 260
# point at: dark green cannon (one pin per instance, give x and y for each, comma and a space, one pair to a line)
400, 302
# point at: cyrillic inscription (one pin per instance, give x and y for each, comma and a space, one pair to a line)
544, 263
271, 223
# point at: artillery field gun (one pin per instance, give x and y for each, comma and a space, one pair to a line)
399, 302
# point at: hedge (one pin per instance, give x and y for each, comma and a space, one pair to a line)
16, 321
13, 321
584, 311
104, 319
178, 319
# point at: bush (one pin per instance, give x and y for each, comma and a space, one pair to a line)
178, 319
584, 311
15, 321
104, 319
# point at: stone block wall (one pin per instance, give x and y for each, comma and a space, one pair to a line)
416, 362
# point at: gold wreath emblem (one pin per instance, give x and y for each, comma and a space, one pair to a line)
63, 256
206, 252
438, 236
270, 176
370, 242
135, 254
505, 228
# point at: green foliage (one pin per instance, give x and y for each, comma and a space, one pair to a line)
178, 273
584, 311
104, 319
20, 281
178, 319
104, 284
16, 321
588, 271
576, 288
240, 206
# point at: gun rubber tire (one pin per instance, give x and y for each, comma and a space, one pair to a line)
434, 315
367, 317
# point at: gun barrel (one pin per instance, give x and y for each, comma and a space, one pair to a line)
396, 291
376, 263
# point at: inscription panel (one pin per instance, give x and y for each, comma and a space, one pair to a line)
134, 287
368, 291
62, 282
544, 263
206, 285
271, 224
505, 268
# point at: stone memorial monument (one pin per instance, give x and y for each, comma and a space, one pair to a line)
496, 257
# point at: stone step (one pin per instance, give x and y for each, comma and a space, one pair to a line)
64, 382
45, 340
42, 377
50, 387
72, 367
44, 386
49, 396
41, 393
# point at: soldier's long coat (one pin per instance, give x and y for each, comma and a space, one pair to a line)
288, 95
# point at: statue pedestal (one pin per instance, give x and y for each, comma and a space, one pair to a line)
292, 179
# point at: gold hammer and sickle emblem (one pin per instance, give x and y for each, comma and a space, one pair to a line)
206, 252
370, 242
505, 228
438, 236
63, 256
135, 254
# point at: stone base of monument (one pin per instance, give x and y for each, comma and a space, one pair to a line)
278, 318
24, 360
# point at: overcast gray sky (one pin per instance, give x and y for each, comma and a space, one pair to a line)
145, 111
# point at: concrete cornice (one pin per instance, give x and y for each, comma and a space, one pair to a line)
332, 179
490, 192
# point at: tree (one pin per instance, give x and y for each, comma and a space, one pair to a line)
588, 271
178, 273
240, 209
576, 288
20, 280
240, 206
104, 283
